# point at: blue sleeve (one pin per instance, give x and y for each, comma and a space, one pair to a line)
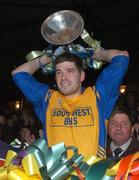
32, 89
35, 92
108, 83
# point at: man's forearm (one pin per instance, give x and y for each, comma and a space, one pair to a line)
107, 55
33, 65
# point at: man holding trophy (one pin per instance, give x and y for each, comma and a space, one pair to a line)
73, 114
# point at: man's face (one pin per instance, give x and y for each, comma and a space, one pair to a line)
119, 129
69, 79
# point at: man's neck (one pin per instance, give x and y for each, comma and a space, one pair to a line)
123, 146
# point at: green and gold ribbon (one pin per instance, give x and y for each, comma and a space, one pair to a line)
40, 162
94, 44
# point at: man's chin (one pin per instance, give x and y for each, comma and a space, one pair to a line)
118, 141
64, 91
118, 138
67, 94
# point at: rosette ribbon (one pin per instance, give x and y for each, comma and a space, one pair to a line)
126, 168
40, 162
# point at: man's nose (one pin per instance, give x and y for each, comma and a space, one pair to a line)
118, 126
63, 75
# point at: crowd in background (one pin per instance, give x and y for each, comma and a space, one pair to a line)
21, 129
130, 100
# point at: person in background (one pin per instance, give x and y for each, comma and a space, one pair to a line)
131, 104
30, 129
2, 123
136, 125
73, 114
10, 131
25, 137
29, 118
120, 130
2, 118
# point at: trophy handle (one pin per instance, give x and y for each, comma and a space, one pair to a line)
94, 44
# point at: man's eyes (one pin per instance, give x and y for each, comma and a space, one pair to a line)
58, 72
68, 71
124, 124
71, 71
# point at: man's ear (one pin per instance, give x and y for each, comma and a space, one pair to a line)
82, 76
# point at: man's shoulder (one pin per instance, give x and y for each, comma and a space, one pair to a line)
133, 147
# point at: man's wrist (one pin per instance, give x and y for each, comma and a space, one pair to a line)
43, 60
45, 64
40, 63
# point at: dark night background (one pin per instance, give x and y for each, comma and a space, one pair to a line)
115, 23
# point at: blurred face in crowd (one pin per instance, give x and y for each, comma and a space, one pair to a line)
2, 120
26, 135
10, 122
138, 113
69, 79
119, 129
23, 132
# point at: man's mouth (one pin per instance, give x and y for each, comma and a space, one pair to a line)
118, 135
65, 84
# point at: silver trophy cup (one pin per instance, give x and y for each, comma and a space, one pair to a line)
62, 27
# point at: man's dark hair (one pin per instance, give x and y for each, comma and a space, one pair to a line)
66, 56
122, 110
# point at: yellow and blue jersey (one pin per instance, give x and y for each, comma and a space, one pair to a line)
82, 119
